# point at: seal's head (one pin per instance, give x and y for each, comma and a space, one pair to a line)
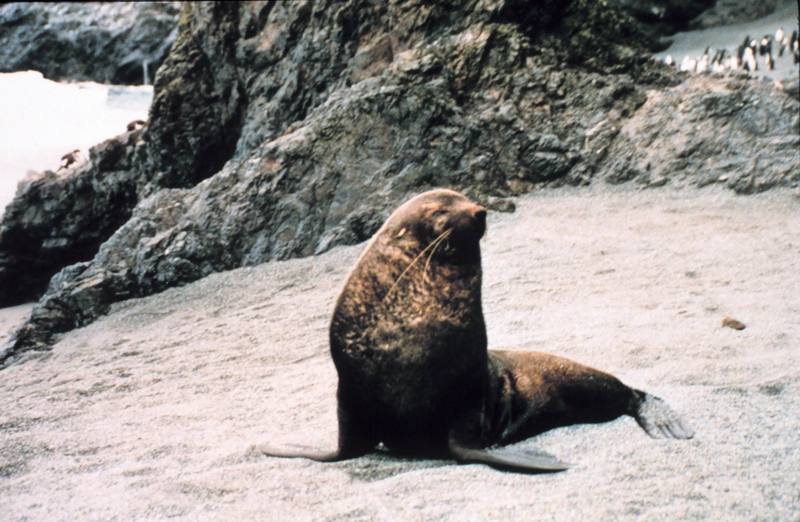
442, 219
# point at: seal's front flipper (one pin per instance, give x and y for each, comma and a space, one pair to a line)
659, 420
302, 453
522, 461
355, 439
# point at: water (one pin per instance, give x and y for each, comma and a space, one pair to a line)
41, 120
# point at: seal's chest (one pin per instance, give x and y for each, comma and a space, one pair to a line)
423, 330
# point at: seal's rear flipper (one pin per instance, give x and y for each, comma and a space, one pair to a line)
659, 420
523, 461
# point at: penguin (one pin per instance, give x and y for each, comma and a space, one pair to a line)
779, 36
730, 62
704, 62
749, 60
733, 63
69, 159
785, 44
719, 63
742, 47
669, 61
688, 64
765, 45
753, 47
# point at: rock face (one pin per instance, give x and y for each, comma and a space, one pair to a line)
59, 218
282, 129
737, 132
725, 12
108, 43
669, 16
666, 16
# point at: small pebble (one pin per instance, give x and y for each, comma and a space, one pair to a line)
730, 322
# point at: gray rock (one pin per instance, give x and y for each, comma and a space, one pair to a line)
667, 16
283, 129
59, 218
107, 43
726, 12
731, 130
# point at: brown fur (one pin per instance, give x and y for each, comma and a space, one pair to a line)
409, 343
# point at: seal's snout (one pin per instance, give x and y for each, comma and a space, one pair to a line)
479, 215
468, 222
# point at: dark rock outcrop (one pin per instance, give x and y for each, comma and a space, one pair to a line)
104, 42
741, 133
283, 129
665, 16
60, 218
725, 12
197, 111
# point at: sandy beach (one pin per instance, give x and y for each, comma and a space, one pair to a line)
149, 412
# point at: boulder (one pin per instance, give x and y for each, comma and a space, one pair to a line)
665, 16
60, 218
734, 131
284, 129
726, 12
111, 42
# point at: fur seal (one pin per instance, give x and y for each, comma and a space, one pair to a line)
409, 344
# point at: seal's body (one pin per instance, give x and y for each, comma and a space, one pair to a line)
408, 340
408, 327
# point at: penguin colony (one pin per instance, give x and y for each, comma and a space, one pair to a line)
750, 55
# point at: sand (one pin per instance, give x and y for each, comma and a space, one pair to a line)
149, 412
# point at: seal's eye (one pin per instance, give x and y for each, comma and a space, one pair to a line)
438, 212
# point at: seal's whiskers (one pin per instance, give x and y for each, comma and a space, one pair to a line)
432, 244
439, 240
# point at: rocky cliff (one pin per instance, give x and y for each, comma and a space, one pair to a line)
282, 129
110, 42
667, 16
